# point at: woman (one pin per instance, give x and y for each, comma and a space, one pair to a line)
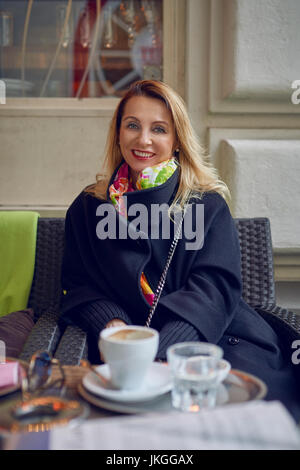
114, 258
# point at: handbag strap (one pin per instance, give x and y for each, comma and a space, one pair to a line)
162, 280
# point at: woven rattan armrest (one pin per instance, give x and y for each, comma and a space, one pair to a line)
72, 346
286, 324
290, 317
284, 317
44, 335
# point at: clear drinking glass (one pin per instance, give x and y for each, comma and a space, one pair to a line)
194, 369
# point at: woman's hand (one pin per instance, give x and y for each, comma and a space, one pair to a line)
110, 324
115, 322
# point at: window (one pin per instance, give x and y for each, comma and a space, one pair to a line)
79, 49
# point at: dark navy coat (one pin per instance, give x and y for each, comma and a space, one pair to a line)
202, 297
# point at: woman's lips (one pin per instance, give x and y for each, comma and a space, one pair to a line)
140, 155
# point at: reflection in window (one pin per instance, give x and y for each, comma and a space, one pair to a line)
74, 48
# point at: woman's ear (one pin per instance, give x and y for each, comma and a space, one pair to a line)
176, 146
176, 151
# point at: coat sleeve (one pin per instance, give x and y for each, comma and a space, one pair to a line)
210, 296
175, 331
84, 303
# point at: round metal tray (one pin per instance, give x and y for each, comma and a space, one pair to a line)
238, 387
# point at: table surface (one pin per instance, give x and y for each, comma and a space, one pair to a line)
86, 410
73, 378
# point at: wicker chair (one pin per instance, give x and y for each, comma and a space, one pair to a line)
70, 346
45, 299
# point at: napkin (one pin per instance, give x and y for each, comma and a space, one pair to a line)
9, 374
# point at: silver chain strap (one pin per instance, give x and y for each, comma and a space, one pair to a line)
162, 280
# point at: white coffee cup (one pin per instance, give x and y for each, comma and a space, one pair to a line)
129, 351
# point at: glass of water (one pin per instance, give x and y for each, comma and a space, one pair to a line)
194, 369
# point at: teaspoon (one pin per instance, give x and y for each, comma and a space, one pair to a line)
106, 382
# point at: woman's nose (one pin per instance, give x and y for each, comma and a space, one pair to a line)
145, 137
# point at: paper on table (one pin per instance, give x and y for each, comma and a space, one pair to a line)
252, 425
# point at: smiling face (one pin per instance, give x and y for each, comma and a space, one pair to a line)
147, 135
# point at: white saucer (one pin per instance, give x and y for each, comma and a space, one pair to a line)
157, 382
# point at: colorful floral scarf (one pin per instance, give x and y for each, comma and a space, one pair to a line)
148, 178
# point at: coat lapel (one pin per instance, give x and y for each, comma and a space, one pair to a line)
122, 261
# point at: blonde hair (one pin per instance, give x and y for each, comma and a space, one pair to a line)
197, 175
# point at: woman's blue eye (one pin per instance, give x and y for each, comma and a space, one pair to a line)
159, 130
132, 125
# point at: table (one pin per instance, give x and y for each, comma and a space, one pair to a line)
264, 425
73, 377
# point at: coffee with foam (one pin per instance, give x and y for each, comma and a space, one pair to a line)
130, 335
129, 352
